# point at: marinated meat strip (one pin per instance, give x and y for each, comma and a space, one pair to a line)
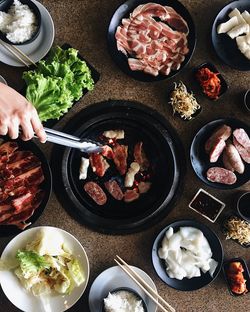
242, 137
120, 158
144, 187
140, 156
16, 168
221, 175
131, 195
8, 148
216, 150
234, 158
223, 133
244, 152
30, 178
99, 164
95, 192
107, 152
155, 39
18, 155
114, 189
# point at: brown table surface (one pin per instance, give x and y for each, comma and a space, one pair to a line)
83, 24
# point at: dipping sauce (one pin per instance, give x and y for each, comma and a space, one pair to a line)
207, 205
123, 301
244, 206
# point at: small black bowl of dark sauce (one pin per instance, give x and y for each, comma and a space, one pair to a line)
243, 206
207, 205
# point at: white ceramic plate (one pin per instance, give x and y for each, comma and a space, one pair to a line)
38, 48
25, 300
113, 278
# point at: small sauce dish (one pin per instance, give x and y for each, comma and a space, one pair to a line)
126, 294
243, 206
207, 205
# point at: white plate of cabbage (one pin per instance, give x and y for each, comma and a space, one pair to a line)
44, 269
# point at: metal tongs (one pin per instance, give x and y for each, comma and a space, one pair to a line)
61, 138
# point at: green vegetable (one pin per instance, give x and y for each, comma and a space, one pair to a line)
76, 272
31, 262
57, 82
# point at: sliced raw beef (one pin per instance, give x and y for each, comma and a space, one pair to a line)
114, 189
131, 195
221, 175
99, 164
120, 158
234, 158
244, 152
95, 192
223, 132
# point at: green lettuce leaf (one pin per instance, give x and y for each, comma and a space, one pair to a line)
57, 82
31, 263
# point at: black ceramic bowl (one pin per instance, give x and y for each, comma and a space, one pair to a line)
211, 67
196, 282
121, 60
225, 47
129, 290
46, 186
5, 5
200, 160
245, 274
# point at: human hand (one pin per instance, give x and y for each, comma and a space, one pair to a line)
15, 112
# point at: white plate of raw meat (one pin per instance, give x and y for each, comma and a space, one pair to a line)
218, 158
151, 41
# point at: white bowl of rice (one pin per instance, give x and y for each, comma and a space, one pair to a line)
20, 21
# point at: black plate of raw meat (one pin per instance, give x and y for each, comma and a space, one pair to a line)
162, 148
46, 186
121, 60
225, 47
200, 159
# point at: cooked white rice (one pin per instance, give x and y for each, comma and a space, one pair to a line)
19, 23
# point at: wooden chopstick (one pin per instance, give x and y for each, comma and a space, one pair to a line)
142, 284
18, 53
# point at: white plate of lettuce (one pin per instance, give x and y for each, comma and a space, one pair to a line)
44, 269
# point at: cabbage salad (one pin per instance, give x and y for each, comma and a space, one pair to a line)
45, 265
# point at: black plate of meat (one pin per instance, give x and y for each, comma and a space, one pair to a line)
156, 34
26, 184
142, 204
225, 47
217, 150
237, 276
194, 283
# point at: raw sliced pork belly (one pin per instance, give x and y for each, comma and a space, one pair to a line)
154, 38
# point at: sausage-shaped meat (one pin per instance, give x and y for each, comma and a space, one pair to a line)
234, 158
226, 162
242, 137
114, 189
221, 175
244, 152
95, 192
223, 132
216, 150
131, 195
